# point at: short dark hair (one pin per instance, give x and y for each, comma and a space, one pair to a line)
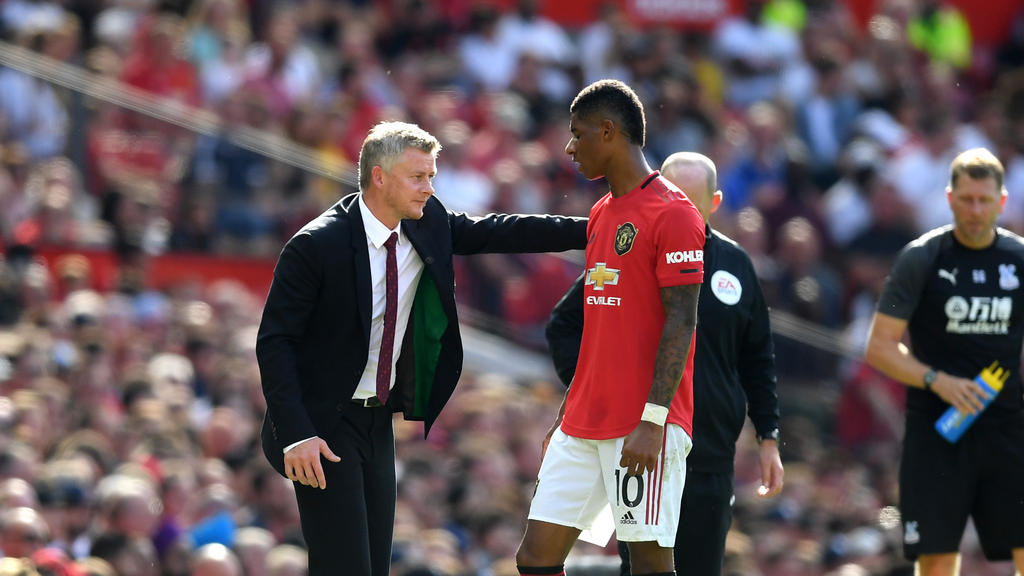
977, 164
612, 98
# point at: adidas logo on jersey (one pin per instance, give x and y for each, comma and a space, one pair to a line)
627, 518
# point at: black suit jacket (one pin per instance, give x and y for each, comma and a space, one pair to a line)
314, 336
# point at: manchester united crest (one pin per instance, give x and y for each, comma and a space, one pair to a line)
624, 236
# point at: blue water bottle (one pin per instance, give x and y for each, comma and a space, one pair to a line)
953, 423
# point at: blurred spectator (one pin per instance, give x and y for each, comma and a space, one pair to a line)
754, 53
890, 229
941, 31
64, 487
602, 43
807, 285
922, 170
683, 116
825, 121
287, 560
57, 210
846, 204
22, 532
1010, 56
488, 61
128, 505
236, 175
17, 493
33, 114
414, 26
225, 70
214, 516
810, 289
126, 555
281, 64
177, 486
213, 24
215, 560
253, 547
459, 184
18, 16
158, 65
530, 34
758, 174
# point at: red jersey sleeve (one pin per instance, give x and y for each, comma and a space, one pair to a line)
679, 245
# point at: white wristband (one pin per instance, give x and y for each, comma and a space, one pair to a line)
655, 413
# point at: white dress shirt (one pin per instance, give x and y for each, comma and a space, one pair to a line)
410, 268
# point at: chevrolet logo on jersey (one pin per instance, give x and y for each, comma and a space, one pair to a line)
600, 276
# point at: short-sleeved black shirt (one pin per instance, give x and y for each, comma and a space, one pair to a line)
965, 309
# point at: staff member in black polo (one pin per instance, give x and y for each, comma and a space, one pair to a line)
361, 322
734, 368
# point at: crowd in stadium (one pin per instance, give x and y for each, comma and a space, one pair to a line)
129, 416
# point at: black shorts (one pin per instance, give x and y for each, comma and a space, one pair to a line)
942, 484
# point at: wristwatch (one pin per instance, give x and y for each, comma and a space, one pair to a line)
929, 379
772, 434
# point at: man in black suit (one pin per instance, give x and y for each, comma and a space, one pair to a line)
360, 322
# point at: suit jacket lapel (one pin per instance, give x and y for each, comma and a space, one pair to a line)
417, 233
361, 266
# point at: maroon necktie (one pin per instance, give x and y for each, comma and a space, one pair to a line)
387, 344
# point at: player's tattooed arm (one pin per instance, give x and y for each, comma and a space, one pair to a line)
680, 306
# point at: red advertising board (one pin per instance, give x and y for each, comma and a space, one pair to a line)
990, 20
169, 270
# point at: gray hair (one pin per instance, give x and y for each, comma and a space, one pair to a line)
386, 142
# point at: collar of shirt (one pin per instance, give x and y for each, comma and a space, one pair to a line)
376, 232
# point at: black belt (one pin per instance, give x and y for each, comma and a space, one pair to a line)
371, 402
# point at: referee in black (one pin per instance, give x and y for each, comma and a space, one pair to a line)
734, 369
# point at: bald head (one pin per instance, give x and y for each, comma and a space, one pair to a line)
215, 560
16, 493
696, 175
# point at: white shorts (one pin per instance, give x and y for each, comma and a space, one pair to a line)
579, 478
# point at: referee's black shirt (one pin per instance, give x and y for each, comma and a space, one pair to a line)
734, 363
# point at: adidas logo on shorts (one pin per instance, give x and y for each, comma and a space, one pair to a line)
627, 518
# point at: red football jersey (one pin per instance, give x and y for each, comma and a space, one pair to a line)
651, 238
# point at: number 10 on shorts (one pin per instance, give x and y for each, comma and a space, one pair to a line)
629, 488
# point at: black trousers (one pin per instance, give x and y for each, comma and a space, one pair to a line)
348, 526
703, 524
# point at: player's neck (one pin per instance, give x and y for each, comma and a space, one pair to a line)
628, 173
978, 242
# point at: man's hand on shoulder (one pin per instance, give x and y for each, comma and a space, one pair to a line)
302, 463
